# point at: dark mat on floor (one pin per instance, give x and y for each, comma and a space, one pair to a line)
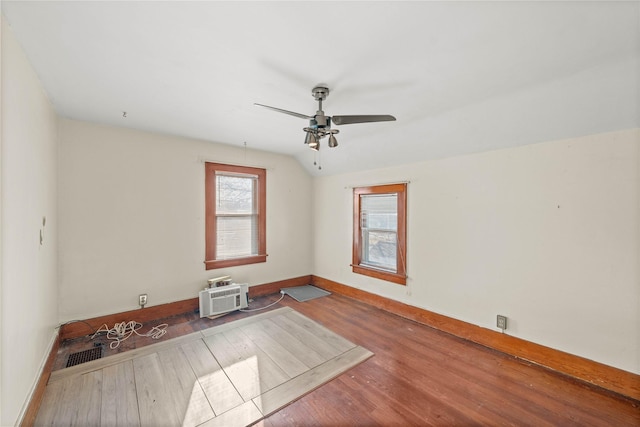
305, 293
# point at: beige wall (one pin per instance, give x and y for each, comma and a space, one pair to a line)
546, 234
29, 179
132, 218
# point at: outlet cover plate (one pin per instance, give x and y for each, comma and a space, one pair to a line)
501, 322
142, 299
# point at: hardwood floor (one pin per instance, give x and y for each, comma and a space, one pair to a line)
418, 376
231, 373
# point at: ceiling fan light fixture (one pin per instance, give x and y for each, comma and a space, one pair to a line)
308, 138
333, 142
311, 140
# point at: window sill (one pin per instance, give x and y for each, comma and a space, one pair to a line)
400, 279
224, 263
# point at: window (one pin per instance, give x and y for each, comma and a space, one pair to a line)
379, 232
235, 221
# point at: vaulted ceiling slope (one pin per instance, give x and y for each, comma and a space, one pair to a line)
460, 77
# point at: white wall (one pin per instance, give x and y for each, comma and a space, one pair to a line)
132, 218
546, 234
29, 270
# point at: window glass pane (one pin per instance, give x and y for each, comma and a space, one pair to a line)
235, 194
379, 224
380, 249
379, 211
237, 230
236, 236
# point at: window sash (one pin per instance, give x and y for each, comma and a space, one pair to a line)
379, 250
236, 215
379, 224
236, 236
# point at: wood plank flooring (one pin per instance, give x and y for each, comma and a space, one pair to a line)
237, 367
418, 376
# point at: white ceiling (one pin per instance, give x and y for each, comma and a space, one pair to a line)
460, 77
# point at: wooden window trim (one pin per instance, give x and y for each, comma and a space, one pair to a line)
210, 216
400, 276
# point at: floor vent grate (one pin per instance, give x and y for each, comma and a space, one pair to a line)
84, 356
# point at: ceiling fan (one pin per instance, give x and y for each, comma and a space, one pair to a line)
320, 124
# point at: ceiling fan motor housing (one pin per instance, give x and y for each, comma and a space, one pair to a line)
322, 121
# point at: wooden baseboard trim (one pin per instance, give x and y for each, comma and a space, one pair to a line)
142, 315
149, 314
594, 373
274, 287
29, 417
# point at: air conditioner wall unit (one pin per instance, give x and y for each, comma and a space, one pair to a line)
224, 299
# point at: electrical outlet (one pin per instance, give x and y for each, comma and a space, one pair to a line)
502, 322
142, 300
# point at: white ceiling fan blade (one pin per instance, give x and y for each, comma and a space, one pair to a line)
280, 110
347, 120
